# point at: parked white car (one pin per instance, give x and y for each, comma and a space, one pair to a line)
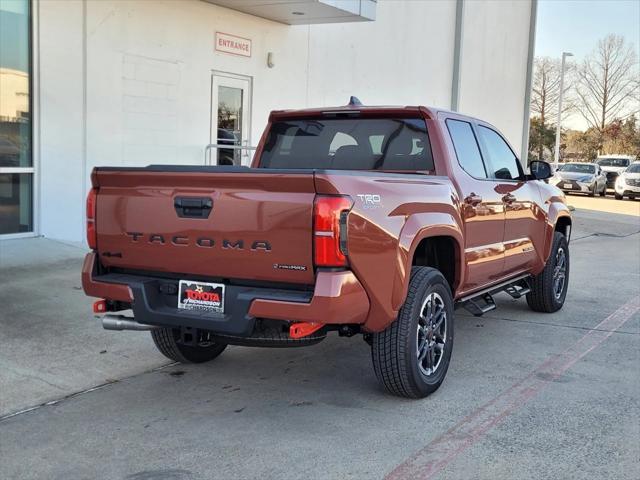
613, 165
628, 182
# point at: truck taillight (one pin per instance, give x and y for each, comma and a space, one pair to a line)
330, 230
91, 219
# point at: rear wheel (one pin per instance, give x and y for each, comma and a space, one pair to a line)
169, 341
549, 287
411, 356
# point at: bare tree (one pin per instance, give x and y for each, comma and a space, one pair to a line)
607, 86
545, 93
545, 89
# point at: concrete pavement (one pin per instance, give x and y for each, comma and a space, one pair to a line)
607, 204
50, 344
318, 412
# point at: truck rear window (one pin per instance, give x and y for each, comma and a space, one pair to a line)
348, 144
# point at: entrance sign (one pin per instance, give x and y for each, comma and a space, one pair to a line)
232, 44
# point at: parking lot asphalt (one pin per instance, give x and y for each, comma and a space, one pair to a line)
527, 395
607, 204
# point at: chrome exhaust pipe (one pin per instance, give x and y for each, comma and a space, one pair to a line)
120, 322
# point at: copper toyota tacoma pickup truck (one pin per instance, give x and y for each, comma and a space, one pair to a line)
377, 221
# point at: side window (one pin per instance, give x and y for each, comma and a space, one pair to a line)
503, 160
466, 146
376, 143
341, 140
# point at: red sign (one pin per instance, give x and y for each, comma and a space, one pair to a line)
231, 44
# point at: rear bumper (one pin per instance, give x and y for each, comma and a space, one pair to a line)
338, 298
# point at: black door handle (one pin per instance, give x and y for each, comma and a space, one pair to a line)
193, 207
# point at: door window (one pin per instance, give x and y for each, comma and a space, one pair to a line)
230, 122
504, 163
466, 147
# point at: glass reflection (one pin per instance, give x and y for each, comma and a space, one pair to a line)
15, 202
229, 124
15, 118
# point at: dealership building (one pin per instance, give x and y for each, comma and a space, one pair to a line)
87, 83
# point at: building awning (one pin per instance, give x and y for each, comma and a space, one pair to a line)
305, 12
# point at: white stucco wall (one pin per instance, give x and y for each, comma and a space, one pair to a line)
493, 67
148, 78
405, 57
61, 171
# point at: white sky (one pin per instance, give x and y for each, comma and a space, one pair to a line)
576, 26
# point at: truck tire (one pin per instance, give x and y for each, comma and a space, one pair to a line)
549, 287
166, 340
411, 356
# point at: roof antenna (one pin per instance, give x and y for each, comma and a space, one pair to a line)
354, 102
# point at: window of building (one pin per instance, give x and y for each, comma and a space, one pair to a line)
503, 161
466, 146
16, 162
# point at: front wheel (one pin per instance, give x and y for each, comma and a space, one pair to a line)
549, 287
603, 192
201, 348
411, 356
618, 196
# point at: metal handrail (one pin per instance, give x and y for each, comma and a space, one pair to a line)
208, 148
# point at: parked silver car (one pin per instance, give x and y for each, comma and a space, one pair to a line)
580, 178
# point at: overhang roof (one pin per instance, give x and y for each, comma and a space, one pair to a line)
305, 12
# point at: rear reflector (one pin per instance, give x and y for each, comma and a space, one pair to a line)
330, 230
100, 306
91, 219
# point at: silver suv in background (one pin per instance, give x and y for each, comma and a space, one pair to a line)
628, 182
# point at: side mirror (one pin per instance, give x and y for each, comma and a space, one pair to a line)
540, 170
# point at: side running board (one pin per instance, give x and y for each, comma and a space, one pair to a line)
482, 302
480, 305
518, 289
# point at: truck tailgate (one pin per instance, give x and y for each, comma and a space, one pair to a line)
254, 224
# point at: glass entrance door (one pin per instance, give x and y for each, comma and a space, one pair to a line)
16, 161
230, 119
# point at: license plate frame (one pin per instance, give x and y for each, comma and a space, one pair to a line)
201, 296
567, 185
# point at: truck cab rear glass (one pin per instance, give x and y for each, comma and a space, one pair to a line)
348, 144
